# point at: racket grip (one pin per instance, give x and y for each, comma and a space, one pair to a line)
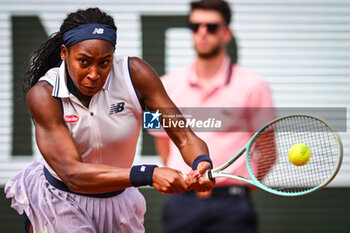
207, 175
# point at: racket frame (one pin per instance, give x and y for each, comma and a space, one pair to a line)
217, 172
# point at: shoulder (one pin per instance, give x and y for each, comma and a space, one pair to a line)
40, 90
145, 79
255, 89
245, 73
139, 66
50, 76
117, 59
142, 73
137, 69
39, 95
41, 103
175, 78
248, 78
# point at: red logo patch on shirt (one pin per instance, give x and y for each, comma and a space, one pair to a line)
71, 119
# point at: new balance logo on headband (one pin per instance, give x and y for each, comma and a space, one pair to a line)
98, 31
90, 31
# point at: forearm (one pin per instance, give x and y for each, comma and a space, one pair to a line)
60, 152
192, 148
96, 178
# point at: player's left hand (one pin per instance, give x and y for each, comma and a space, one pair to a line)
197, 179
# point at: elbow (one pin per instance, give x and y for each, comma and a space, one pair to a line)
73, 181
74, 186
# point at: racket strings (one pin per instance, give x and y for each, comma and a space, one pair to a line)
269, 154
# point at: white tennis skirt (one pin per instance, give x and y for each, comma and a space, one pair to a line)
51, 210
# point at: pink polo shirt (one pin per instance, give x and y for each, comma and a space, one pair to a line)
232, 87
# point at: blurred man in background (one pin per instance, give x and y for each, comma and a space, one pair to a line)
213, 80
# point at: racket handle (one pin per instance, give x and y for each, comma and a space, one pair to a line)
207, 175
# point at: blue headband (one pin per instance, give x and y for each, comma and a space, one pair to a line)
88, 32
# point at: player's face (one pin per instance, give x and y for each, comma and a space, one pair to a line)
89, 63
210, 34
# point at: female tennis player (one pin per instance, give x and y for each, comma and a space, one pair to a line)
87, 105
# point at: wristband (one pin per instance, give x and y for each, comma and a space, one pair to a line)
141, 175
199, 159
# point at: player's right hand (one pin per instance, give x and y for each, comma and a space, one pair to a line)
168, 180
197, 179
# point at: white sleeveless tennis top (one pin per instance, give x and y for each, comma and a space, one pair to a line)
107, 131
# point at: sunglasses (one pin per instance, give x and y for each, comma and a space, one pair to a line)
211, 27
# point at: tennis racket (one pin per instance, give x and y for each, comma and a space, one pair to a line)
268, 163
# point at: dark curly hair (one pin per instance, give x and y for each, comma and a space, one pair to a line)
218, 5
48, 56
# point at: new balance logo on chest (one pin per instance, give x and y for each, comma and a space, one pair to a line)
115, 108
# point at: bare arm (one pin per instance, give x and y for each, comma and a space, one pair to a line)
59, 149
151, 91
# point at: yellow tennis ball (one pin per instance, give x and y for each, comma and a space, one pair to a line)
299, 154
